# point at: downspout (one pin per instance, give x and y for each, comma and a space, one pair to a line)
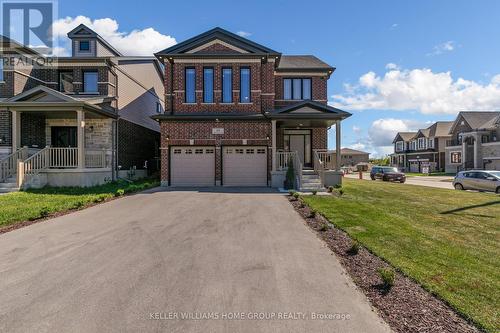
171, 86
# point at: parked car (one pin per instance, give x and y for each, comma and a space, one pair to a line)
481, 180
387, 174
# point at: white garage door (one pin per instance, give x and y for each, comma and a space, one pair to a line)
192, 166
244, 166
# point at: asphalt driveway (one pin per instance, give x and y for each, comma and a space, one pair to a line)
233, 262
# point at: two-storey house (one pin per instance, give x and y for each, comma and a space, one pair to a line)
474, 142
79, 120
238, 113
425, 148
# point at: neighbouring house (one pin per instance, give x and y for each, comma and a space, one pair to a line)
474, 142
425, 148
352, 157
237, 113
79, 120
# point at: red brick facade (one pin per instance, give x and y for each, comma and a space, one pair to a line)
199, 133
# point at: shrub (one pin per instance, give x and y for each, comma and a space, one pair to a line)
291, 192
324, 227
312, 213
100, 198
119, 192
78, 205
296, 195
44, 212
341, 191
355, 246
338, 185
314, 192
330, 189
387, 275
290, 175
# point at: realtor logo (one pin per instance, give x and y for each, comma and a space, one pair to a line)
29, 23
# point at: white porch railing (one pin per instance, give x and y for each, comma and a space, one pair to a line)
282, 158
319, 166
8, 165
62, 157
327, 158
97, 158
32, 166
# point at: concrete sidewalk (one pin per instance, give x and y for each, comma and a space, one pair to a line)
134, 264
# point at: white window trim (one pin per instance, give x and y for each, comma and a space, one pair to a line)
400, 145
455, 152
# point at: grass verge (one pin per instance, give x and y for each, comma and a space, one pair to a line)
446, 240
35, 204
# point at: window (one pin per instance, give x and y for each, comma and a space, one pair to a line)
484, 138
239, 151
245, 85
177, 151
296, 89
250, 151
208, 85
90, 82
188, 151
261, 151
421, 143
456, 157
227, 85
66, 81
399, 146
158, 107
198, 151
209, 151
84, 46
190, 83
430, 143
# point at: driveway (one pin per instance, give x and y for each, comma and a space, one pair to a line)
429, 181
137, 263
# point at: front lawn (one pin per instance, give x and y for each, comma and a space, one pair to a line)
437, 174
34, 204
446, 240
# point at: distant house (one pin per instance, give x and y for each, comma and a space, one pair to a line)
474, 142
352, 157
426, 147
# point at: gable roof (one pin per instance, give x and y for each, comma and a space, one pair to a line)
302, 62
424, 131
405, 136
39, 91
323, 111
83, 31
440, 129
477, 119
214, 34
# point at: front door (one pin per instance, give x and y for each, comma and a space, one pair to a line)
63, 136
299, 141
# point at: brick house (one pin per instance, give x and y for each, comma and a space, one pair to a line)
237, 113
426, 147
79, 120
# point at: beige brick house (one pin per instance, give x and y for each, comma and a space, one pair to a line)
80, 120
237, 113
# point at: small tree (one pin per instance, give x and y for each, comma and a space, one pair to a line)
290, 175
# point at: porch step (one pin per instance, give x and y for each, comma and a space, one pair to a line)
311, 182
9, 185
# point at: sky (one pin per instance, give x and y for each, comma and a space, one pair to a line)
400, 65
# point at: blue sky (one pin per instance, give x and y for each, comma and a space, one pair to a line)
443, 55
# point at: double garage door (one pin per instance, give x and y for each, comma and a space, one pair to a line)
241, 166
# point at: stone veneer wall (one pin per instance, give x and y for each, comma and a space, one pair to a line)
99, 137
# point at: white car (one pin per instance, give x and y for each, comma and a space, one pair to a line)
480, 180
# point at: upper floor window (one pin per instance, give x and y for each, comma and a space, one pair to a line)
421, 143
90, 79
208, 85
400, 146
158, 107
245, 85
190, 81
66, 81
84, 46
430, 143
296, 89
227, 85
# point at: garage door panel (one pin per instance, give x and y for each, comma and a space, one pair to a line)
245, 166
192, 166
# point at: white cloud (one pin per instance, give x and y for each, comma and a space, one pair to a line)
394, 26
392, 66
421, 90
136, 42
356, 129
244, 34
442, 48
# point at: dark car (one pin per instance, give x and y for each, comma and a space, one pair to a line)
387, 174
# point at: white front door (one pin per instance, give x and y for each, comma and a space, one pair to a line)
244, 166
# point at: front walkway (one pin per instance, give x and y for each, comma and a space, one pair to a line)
114, 266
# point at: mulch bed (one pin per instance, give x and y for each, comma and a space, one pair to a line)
406, 307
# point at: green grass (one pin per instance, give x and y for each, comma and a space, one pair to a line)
34, 204
446, 240
414, 174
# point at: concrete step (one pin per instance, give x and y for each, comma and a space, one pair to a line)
8, 185
310, 189
8, 189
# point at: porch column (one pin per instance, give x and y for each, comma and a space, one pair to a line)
337, 145
16, 130
464, 151
273, 149
476, 152
80, 121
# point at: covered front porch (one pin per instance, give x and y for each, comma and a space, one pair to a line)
300, 138
58, 141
